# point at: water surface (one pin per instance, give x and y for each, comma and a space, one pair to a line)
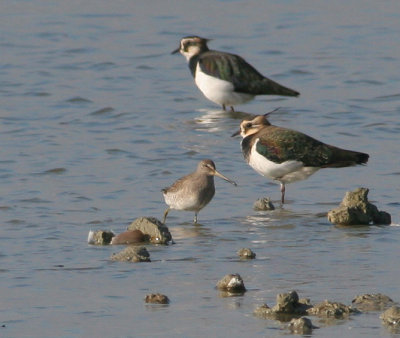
96, 117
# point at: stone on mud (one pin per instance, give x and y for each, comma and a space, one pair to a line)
231, 283
246, 253
372, 302
301, 326
329, 309
132, 254
156, 231
356, 210
156, 298
288, 305
263, 204
391, 316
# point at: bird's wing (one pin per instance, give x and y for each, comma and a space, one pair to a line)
281, 144
229, 67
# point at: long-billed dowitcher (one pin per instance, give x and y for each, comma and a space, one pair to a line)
194, 191
224, 78
287, 155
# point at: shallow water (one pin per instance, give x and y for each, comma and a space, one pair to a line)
96, 117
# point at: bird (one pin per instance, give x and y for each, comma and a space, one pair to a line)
194, 191
287, 155
226, 79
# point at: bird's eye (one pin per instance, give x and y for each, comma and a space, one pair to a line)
249, 125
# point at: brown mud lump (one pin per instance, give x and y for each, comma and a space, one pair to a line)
372, 302
356, 210
157, 232
391, 316
263, 204
129, 237
231, 283
132, 254
156, 298
301, 326
288, 305
246, 253
329, 309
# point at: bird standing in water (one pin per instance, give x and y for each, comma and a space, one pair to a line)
286, 155
194, 191
226, 79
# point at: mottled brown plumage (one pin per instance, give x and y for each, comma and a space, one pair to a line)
194, 191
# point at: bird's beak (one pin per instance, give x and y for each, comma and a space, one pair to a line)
216, 173
176, 50
236, 133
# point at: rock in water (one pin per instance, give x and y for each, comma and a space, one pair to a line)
132, 254
356, 210
391, 316
231, 283
246, 253
157, 232
372, 302
301, 325
156, 298
263, 204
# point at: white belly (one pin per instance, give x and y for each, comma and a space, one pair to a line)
285, 172
219, 91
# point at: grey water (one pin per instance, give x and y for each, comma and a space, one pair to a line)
96, 117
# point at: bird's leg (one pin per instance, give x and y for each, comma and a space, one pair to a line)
195, 218
223, 107
282, 193
232, 109
165, 214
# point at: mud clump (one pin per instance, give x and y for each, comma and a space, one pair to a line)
100, 237
246, 253
129, 237
263, 204
372, 302
231, 283
288, 305
301, 325
391, 316
132, 254
356, 210
156, 298
156, 231
329, 309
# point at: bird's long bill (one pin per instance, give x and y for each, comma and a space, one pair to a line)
176, 50
216, 173
236, 133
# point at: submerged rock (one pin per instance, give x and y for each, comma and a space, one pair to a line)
100, 237
288, 305
246, 253
129, 237
132, 254
372, 302
301, 325
391, 316
156, 231
156, 298
232, 283
263, 204
356, 210
331, 309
